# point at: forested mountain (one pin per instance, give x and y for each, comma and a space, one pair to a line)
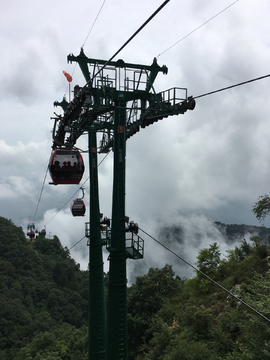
43, 298
230, 232
233, 231
44, 302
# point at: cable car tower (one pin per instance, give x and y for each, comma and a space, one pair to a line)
117, 101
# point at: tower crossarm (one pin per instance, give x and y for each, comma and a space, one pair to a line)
98, 64
110, 83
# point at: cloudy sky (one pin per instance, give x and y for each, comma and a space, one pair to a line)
210, 164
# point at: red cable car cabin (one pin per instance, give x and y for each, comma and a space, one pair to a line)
66, 166
43, 232
78, 208
31, 234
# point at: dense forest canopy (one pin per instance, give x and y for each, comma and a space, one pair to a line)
44, 303
43, 299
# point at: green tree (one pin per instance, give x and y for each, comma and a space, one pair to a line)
208, 260
262, 207
145, 298
41, 288
61, 342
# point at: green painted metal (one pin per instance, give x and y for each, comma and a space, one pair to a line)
116, 347
97, 310
118, 108
83, 60
134, 245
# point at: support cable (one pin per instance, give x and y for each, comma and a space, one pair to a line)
93, 23
41, 191
62, 207
128, 41
88, 35
76, 243
197, 28
232, 86
213, 281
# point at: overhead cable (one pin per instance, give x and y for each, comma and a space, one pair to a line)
76, 243
132, 37
232, 86
62, 207
197, 28
213, 281
42, 187
93, 23
88, 36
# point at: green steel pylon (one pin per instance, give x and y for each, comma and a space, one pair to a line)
117, 101
97, 310
116, 347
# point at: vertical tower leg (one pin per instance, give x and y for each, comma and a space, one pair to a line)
97, 310
116, 345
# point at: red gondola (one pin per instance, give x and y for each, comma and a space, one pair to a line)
66, 166
78, 207
31, 234
43, 232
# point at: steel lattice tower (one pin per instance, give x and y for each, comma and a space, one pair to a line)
117, 101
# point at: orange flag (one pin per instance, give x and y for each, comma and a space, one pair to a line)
69, 77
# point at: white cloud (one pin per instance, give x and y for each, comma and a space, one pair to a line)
183, 238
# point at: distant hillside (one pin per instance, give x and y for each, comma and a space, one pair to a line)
230, 232
234, 231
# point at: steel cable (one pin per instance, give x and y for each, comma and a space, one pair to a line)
232, 86
210, 279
